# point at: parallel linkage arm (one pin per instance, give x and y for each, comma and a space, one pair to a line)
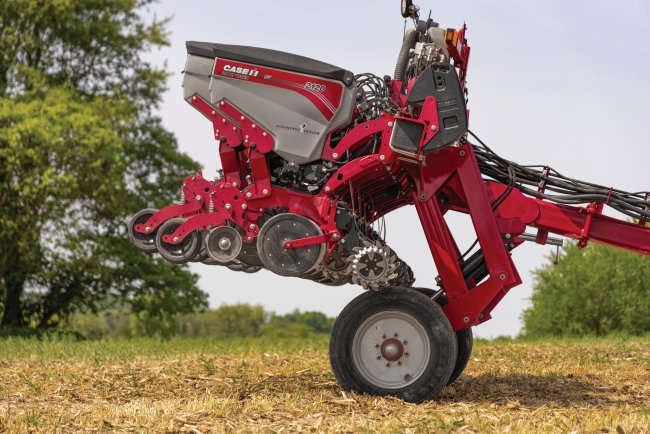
451, 180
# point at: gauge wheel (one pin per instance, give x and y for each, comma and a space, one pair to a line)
395, 341
144, 242
182, 252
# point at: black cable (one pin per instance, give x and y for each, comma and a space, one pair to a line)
568, 191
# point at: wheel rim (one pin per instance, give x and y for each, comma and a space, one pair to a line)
391, 350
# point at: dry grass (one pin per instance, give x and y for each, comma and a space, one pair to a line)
193, 387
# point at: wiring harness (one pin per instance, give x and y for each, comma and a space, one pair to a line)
565, 190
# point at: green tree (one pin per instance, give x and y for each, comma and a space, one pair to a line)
238, 320
593, 291
81, 148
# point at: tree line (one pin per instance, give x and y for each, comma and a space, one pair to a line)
227, 321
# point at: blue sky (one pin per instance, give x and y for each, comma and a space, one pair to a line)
564, 83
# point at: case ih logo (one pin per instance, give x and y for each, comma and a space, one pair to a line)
323, 93
230, 70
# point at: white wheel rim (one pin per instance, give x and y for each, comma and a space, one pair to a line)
376, 350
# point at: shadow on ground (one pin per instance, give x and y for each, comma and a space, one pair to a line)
532, 390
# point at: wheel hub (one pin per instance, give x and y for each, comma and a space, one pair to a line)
392, 349
224, 243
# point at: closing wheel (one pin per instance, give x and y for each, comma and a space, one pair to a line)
182, 252
464, 337
144, 242
395, 341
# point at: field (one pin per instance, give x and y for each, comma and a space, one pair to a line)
286, 386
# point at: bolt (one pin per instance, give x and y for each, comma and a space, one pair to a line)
376, 345
328, 189
223, 121
234, 128
433, 128
390, 124
335, 237
264, 134
253, 126
261, 209
176, 239
396, 335
382, 157
378, 357
399, 363
342, 240
222, 103
462, 153
249, 195
249, 238
480, 316
405, 342
383, 337
406, 354
407, 377
265, 192
235, 184
213, 113
502, 277
251, 227
335, 155
388, 365
227, 206
508, 236
244, 206
466, 319
423, 196
242, 118
147, 229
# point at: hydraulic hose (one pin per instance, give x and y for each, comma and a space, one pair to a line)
402, 60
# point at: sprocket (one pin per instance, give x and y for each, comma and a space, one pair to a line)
373, 266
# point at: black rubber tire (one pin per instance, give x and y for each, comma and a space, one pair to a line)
144, 242
181, 253
427, 313
464, 337
203, 252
